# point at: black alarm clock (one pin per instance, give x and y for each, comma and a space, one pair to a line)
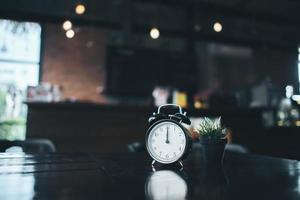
167, 140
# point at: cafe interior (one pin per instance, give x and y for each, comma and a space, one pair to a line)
82, 80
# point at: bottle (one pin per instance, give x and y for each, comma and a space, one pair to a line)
287, 114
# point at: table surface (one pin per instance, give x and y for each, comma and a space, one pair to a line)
130, 176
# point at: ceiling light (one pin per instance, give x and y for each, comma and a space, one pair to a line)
67, 25
80, 9
70, 33
154, 33
218, 27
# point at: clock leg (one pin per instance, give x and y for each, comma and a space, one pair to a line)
180, 163
153, 162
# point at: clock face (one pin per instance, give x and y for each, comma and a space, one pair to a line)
166, 142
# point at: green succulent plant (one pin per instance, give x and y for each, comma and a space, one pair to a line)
210, 128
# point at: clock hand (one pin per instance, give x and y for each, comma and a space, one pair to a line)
167, 139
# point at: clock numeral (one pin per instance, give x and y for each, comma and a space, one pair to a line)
174, 154
160, 153
154, 148
160, 129
155, 134
180, 148
167, 155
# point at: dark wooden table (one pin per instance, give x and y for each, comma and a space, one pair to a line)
130, 176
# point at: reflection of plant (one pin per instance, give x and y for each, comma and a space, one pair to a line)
210, 128
16, 27
2, 103
13, 129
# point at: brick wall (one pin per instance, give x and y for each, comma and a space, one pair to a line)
77, 64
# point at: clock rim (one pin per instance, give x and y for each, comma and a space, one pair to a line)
186, 148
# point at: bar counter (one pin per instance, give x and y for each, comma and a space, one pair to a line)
91, 127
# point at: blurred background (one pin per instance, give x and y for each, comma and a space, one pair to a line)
85, 75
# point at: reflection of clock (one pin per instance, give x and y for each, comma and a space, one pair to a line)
165, 184
167, 140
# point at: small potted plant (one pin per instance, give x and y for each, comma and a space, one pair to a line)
212, 137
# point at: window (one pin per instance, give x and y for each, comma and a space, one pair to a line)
20, 44
299, 67
19, 53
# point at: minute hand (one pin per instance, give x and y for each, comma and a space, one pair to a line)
167, 139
